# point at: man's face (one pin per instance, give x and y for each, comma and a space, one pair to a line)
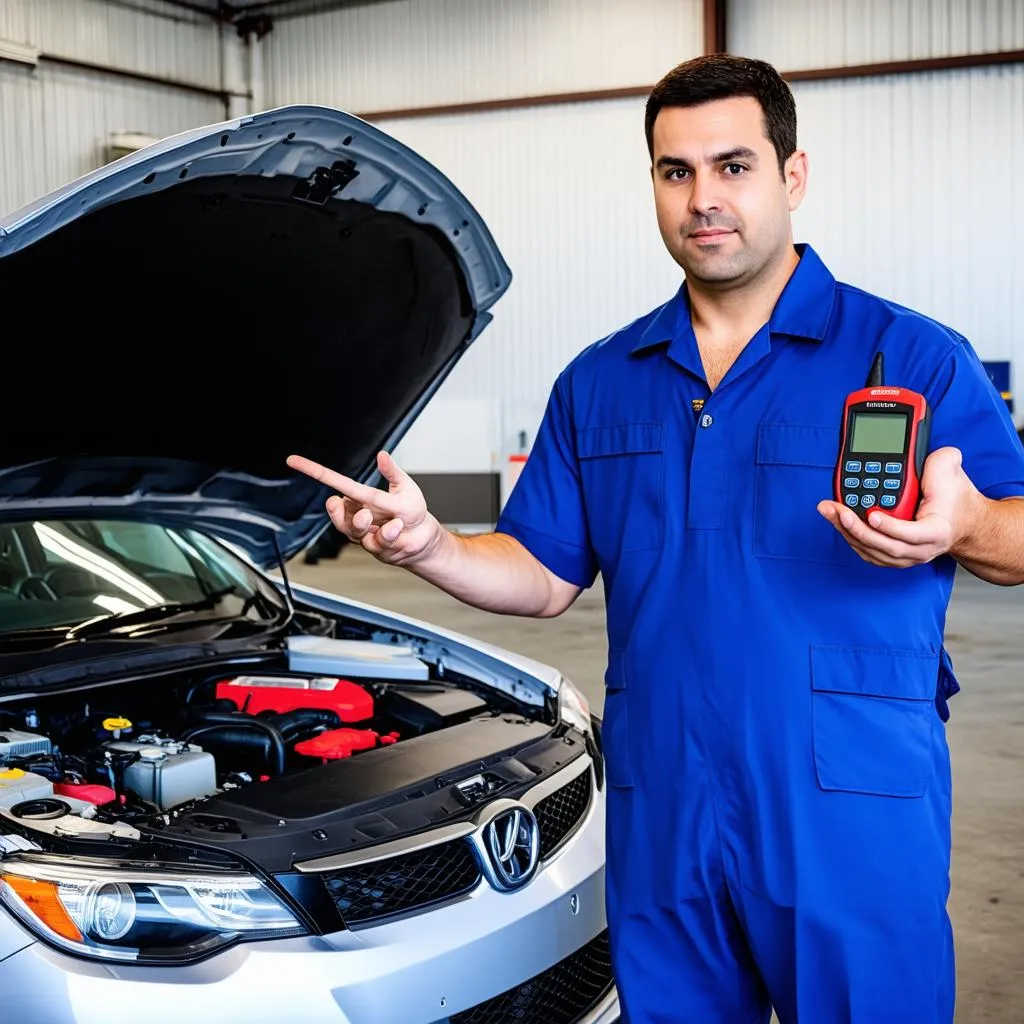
723, 206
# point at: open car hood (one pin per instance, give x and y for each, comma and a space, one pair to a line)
181, 320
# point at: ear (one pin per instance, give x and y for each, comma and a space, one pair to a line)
796, 171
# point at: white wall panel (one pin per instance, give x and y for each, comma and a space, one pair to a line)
795, 34
140, 35
54, 123
566, 191
416, 53
915, 193
914, 179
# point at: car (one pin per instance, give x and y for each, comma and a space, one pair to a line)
224, 796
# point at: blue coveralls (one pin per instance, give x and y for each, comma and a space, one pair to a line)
774, 721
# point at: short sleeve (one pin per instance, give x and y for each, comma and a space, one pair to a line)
545, 511
968, 413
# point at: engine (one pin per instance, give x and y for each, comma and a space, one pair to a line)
72, 767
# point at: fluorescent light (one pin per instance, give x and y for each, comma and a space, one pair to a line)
19, 53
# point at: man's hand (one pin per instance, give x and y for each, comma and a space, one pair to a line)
490, 571
394, 526
950, 506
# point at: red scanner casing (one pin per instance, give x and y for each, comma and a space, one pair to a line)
886, 401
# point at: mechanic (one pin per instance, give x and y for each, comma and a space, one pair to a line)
779, 780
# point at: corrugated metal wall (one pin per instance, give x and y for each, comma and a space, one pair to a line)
915, 194
796, 34
902, 201
416, 53
915, 178
914, 182
565, 189
55, 120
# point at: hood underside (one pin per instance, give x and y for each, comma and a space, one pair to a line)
178, 324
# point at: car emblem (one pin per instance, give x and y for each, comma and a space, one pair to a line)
512, 839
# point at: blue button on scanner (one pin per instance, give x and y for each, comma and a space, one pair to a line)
872, 467
871, 484
853, 467
891, 485
888, 501
867, 500
852, 499
894, 467
851, 481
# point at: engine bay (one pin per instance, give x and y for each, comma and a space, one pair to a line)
117, 759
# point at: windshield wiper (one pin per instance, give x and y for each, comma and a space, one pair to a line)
154, 613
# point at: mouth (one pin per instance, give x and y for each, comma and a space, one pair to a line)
710, 236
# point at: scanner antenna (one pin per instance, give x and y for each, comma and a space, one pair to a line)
877, 376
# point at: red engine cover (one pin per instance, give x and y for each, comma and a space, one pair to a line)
337, 743
255, 694
94, 794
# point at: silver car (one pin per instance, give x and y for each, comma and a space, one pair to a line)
224, 797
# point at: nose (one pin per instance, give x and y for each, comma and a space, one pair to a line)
704, 198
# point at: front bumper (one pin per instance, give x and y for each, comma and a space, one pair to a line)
424, 969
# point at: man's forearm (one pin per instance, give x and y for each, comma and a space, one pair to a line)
493, 572
993, 546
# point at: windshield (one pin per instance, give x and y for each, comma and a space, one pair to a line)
62, 573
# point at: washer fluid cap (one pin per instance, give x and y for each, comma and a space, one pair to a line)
152, 754
114, 724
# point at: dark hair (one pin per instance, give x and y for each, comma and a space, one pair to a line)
720, 76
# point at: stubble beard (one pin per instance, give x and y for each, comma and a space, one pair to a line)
714, 270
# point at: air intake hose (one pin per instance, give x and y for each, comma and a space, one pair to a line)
271, 742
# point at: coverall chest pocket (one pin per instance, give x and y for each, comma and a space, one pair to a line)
873, 711
794, 470
622, 471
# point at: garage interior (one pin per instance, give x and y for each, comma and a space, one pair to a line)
912, 113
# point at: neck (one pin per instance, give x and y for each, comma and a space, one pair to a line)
742, 308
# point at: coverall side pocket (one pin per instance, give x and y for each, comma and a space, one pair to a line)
948, 685
872, 716
615, 724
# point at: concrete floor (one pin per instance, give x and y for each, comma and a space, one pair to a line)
985, 636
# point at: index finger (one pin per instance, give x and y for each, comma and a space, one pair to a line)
345, 485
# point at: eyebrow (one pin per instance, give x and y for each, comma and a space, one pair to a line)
737, 153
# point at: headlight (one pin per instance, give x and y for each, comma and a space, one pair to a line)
158, 915
574, 708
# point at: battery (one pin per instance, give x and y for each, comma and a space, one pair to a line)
14, 743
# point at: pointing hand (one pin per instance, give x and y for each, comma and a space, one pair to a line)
393, 525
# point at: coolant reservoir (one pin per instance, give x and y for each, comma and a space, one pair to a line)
17, 785
168, 773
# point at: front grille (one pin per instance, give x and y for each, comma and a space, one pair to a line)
561, 995
409, 881
558, 814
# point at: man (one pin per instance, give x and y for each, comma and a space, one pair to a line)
779, 781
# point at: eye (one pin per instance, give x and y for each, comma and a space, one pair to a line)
734, 170
676, 174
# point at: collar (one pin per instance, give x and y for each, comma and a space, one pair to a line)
802, 311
